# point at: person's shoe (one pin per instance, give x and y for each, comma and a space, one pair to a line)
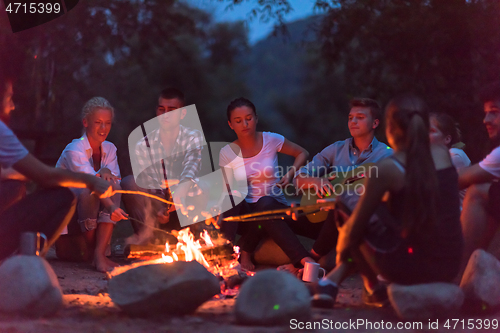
324, 296
378, 298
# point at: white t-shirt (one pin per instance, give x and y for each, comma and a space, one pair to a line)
459, 158
11, 150
260, 171
491, 163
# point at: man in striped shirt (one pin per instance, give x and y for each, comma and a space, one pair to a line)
167, 159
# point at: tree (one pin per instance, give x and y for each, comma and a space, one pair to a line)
125, 51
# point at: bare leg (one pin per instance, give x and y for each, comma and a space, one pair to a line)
246, 261
103, 236
478, 226
87, 208
290, 268
363, 257
340, 273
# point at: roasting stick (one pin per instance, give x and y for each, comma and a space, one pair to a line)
149, 196
278, 213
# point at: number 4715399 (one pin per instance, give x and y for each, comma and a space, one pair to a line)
471, 324
33, 7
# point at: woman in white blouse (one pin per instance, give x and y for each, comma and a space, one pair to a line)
251, 169
92, 154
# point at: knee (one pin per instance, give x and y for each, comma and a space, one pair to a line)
128, 183
477, 193
83, 193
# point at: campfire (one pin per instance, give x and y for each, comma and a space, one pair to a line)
215, 253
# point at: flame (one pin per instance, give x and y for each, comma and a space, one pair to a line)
195, 219
167, 259
192, 251
190, 248
206, 237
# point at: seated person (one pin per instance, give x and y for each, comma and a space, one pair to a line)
169, 155
480, 214
12, 183
445, 131
48, 210
252, 162
415, 236
89, 236
364, 118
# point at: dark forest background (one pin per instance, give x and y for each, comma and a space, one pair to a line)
300, 79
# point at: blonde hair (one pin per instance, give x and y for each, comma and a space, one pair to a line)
96, 103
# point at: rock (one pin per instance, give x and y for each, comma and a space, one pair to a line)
272, 297
163, 289
481, 281
425, 301
29, 286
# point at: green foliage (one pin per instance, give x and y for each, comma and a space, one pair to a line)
443, 50
125, 51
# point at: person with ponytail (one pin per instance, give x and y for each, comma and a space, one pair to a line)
406, 226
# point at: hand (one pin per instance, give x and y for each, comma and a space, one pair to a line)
283, 182
101, 187
108, 176
213, 217
111, 178
321, 186
163, 214
118, 214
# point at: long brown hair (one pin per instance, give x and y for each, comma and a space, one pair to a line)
408, 116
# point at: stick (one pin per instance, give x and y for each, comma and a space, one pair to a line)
243, 218
148, 195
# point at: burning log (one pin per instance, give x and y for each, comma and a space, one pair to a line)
133, 251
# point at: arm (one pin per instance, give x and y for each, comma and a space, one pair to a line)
110, 171
311, 175
473, 175
47, 176
300, 154
352, 232
227, 183
192, 160
10, 173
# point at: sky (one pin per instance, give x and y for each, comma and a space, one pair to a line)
257, 30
